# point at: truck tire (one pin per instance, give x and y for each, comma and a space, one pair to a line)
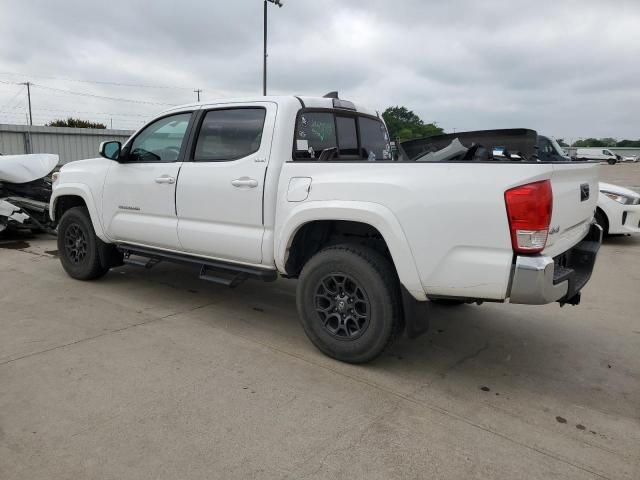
348, 300
78, 245
603, 221
611, 161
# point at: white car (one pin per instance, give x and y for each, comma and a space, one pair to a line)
631, 158
306, 187
618, 210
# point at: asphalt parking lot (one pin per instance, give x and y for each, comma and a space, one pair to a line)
154, 374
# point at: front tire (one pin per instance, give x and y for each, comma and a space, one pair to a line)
348, 301
78, 245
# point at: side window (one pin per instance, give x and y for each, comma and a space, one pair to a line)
318, 130
374, 140
347, 137
160, 141
229, 134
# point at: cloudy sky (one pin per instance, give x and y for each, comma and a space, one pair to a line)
565, 68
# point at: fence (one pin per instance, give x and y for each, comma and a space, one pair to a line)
69, 143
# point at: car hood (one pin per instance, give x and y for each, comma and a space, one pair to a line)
617, 189
26, 168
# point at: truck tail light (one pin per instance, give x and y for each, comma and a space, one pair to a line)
529, 210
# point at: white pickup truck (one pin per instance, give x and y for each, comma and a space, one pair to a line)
306, 188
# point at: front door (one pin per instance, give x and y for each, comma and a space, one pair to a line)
138, 202
219, 195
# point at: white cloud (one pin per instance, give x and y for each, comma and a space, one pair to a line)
566, 68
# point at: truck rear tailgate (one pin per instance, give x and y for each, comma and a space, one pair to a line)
575, 195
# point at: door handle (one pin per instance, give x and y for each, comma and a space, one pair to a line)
165, 179
244, 182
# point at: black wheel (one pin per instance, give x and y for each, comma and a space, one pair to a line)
349, 302
603, 221
611, 161
447, 302
78, 245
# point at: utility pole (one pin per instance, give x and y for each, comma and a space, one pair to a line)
28, 84
198, 91
264, 60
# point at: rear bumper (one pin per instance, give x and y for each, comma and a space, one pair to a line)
539, 279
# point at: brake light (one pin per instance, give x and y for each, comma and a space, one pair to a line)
529, 211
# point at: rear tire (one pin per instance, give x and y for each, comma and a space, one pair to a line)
348, 301
603, 221
78, 245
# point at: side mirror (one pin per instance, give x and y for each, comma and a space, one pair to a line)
110, 150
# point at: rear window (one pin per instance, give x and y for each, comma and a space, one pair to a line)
317, 132
347, 136
374, 140
341, 136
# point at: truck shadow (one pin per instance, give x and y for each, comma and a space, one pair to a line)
502, 348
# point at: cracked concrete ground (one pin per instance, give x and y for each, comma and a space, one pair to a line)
154, 374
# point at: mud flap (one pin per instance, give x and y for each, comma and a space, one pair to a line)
416, 317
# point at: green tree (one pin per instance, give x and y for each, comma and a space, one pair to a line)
595, 142
403, 124
628, 143
75, 123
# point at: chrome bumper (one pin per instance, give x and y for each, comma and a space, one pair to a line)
536, 280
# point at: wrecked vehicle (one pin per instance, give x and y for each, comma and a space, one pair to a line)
25, 190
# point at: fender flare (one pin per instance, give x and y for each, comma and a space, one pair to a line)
78, 190
374, 214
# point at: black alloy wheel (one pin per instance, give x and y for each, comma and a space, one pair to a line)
343, 306
75, 243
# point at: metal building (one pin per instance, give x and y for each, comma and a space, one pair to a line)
69, 143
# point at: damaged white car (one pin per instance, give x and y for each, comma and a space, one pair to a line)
25, 190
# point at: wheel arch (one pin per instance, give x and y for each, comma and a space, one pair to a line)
369, 222
68, 196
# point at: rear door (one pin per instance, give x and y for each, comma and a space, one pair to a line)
138, 202
219, 195
575, 195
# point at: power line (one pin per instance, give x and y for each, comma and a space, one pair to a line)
5, 106
98, 82
117, 99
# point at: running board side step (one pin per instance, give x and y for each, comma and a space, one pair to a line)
222, 273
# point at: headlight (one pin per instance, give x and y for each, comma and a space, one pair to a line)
55, 176
623, 199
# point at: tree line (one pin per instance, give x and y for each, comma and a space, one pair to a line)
600, 142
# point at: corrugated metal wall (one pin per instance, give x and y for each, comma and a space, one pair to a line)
69, 143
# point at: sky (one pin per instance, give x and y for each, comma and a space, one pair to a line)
570, 69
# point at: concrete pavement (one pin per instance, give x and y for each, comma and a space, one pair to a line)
157, 375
